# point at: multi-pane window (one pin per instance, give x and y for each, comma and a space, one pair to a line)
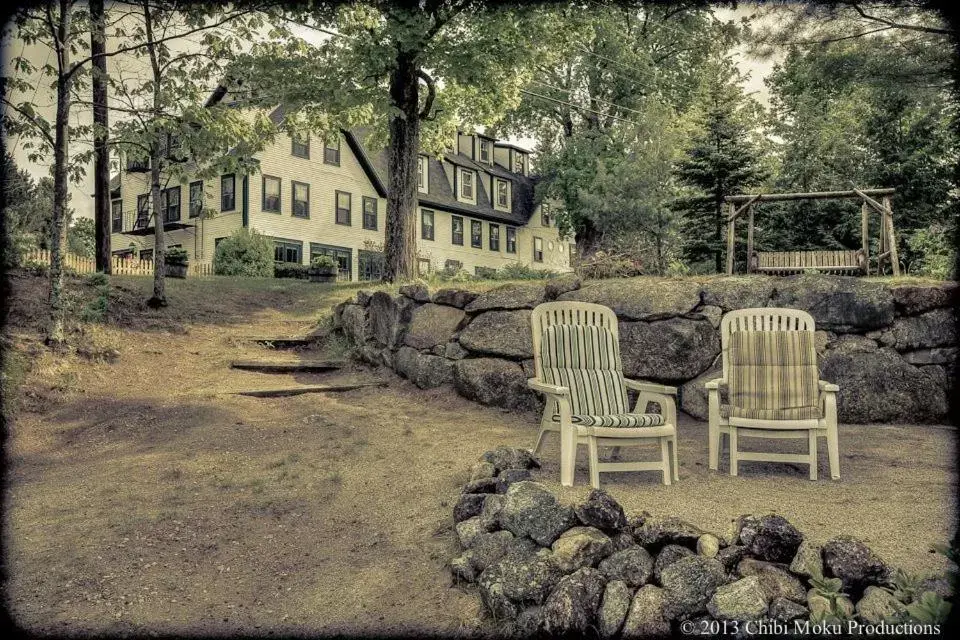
369, 265
287, 251
456, 224
331, 151
343, 208
116, 216
519, 160
228, 196
476, 234
426, 224
369, 213
511, 239
494, 237
170, 204
503, 193
143, 212
301, 199
423, 174
343, 256
538, 249
271, 194
300, 147
545, 214
196, 198
484, 151
466, 185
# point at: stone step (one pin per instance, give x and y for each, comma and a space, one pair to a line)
286, 366
296, 391
285, 342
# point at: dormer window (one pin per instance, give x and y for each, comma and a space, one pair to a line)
423, 175
485, 151
467, 186
545, 214
503, 193
519, 161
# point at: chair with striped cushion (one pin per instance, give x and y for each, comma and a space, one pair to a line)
773, 388
577, 367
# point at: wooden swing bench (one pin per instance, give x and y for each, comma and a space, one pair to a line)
784, 263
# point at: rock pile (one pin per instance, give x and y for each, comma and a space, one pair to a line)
545, 568
890, 348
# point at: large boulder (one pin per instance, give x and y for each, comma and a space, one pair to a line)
468, 530
530, 509
740, 600
855, 563
937, 328
572, 606
671, 350
878, 605
633, 566
468, 506
809, 560
842, 304
353, 320
600, 510
689, 583
458, 298
910, 300
923, 357
504, 457
424, 370
647, 617
493, 382
881, 387
738, 292
499, 333
386, 316
581, 547
488, 548
515, 581
613, 608
775, 581
655, 533
416, 291
640, 298
432, 325
694, 399
770, 537
556, 287
509, 296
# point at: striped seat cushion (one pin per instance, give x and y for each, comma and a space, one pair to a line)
586, 360
773, 375
626, 420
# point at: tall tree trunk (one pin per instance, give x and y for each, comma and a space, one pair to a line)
159, 298
101, 164
58, 224
400, 248
718, 234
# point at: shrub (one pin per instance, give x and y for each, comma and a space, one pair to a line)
177, 256
291, 270
244, 253
607, 264
519, 271
98, 279
323, 262
933, 251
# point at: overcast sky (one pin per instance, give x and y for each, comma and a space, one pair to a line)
82, 194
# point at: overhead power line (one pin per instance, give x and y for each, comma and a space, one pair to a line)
570, 93
581, 108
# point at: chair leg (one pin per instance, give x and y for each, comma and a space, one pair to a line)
676, 465
813, 454
540, 438
568, 454
715, 440
733, 450
594, 463
665, 460
833, 448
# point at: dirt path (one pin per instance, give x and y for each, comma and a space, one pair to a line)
146, 498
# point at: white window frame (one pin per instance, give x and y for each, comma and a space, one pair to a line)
473, 182
423, 174
496, 194
489, 147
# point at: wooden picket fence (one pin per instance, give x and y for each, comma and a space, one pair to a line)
121, 266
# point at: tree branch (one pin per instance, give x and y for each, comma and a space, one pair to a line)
431, 95
900, 25
33, 120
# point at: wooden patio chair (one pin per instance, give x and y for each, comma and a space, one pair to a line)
577, 367
770, 376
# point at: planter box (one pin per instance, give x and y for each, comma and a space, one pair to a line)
323, 274
176, 270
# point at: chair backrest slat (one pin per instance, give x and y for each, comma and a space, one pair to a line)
760, 319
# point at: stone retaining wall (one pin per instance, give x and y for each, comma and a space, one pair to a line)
890, 348
545, 569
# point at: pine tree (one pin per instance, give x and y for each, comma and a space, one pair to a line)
722, 160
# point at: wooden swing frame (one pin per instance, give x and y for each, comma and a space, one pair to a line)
830, 261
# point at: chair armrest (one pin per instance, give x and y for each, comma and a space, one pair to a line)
716, 383
649, 387
550, 389
828, 386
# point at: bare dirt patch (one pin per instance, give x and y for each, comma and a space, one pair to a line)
142, 496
